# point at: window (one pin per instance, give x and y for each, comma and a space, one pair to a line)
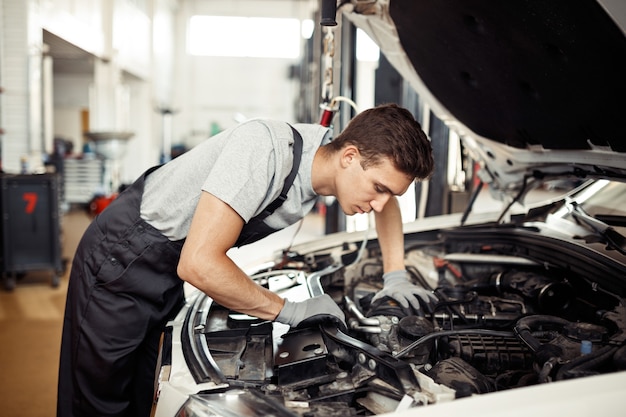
235, 36
366, 48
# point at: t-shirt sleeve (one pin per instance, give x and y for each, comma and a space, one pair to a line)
245, 170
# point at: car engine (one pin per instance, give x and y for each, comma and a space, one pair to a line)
509, 314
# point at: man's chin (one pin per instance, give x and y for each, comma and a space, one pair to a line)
352, 212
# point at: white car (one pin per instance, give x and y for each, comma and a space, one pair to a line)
531, 314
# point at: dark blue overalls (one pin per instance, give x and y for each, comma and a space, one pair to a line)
123, 289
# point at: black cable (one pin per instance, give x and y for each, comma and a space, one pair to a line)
442, 333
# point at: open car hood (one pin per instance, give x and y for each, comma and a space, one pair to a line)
534, 89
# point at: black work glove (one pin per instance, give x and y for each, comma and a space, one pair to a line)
398, 287
310, 312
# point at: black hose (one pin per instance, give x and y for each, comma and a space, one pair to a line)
417, 275
525, 326
586, 362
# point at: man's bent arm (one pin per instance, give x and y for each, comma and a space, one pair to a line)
204, 264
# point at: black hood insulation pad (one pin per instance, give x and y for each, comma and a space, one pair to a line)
522, 72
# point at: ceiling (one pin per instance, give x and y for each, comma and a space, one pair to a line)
67, 58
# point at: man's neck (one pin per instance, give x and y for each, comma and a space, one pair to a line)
323, 173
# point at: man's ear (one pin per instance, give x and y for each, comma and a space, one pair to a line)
349, 155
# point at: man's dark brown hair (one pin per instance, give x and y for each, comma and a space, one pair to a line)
391, 131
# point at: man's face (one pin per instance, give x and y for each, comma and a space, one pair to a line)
362, 190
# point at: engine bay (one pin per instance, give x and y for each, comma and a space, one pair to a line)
509, 314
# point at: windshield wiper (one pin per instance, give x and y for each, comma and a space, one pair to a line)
613, 238
612, 219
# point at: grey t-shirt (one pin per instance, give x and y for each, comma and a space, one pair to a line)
245, 167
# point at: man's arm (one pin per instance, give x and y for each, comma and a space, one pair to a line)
204, 264
390, 235
395, 276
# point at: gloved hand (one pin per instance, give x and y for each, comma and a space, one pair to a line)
398, 287
311, 311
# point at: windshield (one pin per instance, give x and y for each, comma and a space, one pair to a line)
605, 201
610, 200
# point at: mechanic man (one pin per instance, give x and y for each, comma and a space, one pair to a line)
176, 223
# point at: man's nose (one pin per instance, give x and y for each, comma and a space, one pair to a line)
379, 202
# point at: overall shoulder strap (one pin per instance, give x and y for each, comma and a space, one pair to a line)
256, 229
297, 154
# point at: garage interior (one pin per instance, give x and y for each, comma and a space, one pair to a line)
92, 93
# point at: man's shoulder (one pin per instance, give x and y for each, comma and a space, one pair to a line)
281, 128
274, 136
